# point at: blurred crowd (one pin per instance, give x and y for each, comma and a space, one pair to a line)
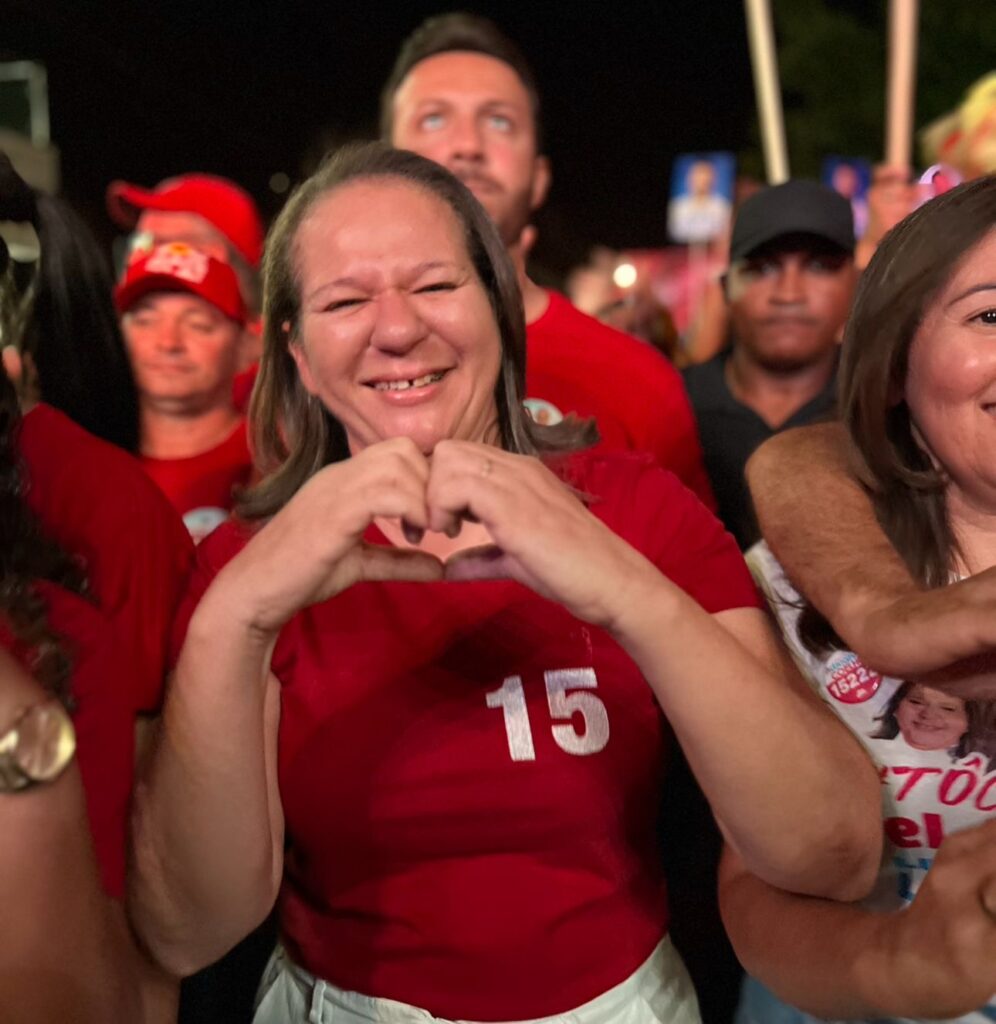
387, 637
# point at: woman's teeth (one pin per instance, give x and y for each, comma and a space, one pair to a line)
404, 385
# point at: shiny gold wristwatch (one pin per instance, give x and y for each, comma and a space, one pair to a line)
37, 747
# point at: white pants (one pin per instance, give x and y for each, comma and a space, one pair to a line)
658, 992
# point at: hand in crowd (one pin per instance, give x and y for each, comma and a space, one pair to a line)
544, 536
937, 959
315, 548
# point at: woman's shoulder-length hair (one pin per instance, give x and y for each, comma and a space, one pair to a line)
910, 268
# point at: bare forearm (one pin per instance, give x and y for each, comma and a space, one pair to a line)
794, 792
204, 822
821, 526
829, 959
67, 954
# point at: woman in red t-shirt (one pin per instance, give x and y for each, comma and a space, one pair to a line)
68, 953
459, 814
91, 562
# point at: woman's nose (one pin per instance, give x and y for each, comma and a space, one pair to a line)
397, 326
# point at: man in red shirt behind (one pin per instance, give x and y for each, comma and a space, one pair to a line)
183, 318
463, 95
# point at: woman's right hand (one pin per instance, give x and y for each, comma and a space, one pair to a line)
313, 548
940, 953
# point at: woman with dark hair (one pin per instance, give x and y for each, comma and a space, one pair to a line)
71, 348
460, 808
917, 385
68, 952
90, 497
926, 719
91, 562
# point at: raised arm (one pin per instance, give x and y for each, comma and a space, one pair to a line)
936, 959
208, 821
791, 788
820, 525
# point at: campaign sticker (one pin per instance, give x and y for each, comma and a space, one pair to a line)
546, 414
201, 521
849, 681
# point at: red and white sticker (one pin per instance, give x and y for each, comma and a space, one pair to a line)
849, 681
177, 259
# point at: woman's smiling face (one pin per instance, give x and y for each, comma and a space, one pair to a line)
951, 379
930, 719
397, 337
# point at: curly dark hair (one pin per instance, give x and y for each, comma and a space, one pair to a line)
27, 556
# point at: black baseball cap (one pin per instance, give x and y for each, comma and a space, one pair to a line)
797, 207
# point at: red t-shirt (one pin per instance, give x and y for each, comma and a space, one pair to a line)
578, 364
104, 721
201, 487
242, 387
470, 776
94, 500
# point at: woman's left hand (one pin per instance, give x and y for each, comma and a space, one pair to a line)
544, 537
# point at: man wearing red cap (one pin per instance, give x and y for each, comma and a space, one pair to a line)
212, 214
183, 317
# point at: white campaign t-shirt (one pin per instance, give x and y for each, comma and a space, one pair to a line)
932, 751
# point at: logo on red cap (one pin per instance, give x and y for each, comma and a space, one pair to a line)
180, 261
178, 266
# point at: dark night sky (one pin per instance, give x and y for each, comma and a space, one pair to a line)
142, 91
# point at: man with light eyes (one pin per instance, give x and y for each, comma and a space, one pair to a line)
462, 94
789, 289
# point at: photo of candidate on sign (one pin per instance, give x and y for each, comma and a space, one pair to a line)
850, 176
701, 197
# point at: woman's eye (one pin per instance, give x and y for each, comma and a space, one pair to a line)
439, 286
338, 304
987, 317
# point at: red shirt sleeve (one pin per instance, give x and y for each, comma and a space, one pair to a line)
668, 428
652, 510
635, 395
212, 555
95, 501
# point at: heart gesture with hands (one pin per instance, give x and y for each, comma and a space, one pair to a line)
543, 536
313, 548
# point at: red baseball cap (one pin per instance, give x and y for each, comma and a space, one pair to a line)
178, 267
229, 208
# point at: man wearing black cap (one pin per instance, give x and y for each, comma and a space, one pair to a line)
789, 289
